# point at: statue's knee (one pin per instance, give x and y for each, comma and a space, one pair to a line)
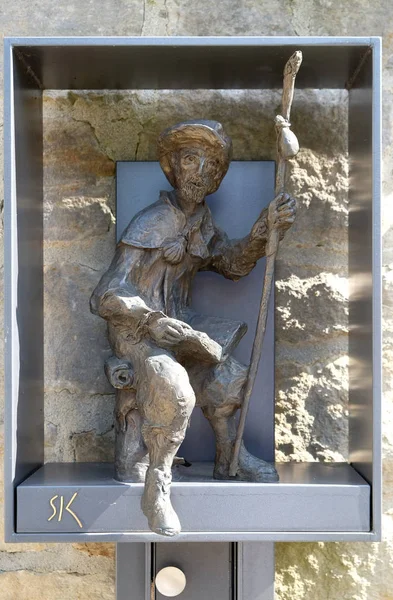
167, 389
225, 387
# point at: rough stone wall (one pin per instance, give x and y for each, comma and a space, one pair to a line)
84, 135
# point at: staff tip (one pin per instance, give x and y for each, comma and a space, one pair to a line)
293, 64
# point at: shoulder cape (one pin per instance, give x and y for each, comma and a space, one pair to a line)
154, 224
162, 221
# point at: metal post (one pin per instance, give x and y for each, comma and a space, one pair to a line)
255, 576
238, 571
134, 571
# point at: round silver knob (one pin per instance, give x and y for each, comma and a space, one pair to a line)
170, 581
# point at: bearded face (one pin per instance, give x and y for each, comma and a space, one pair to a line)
197, 173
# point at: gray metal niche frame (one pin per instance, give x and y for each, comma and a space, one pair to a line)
296, 509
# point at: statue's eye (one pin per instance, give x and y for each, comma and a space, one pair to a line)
189, 159
213, 163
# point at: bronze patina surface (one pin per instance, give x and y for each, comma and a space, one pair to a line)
166, 357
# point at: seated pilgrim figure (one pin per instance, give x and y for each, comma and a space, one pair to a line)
167, 358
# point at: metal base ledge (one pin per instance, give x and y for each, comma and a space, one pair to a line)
83, 498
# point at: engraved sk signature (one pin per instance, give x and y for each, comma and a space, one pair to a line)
62, 509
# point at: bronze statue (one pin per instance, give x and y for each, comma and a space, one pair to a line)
166, 357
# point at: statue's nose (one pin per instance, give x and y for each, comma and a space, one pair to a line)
201, 164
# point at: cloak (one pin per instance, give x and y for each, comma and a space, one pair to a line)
162, 221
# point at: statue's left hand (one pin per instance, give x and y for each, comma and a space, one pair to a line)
284, 212
167, 330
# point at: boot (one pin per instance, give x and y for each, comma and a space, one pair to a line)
156, 502
250, 468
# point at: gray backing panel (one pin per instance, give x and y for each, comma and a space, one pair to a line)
246, 189
207, 568
255, 571
23, 279
365, 276
200, 62
310, 497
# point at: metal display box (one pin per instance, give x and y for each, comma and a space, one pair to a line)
311, 502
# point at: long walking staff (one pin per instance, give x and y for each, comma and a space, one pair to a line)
287, 147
